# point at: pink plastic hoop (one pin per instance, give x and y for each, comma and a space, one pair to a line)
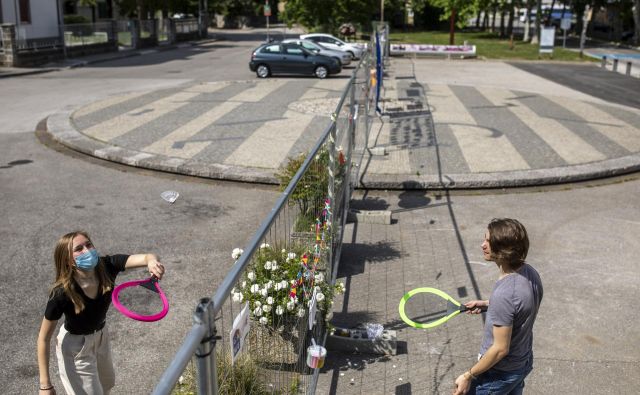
134, 315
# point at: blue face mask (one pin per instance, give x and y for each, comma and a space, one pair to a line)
88, 260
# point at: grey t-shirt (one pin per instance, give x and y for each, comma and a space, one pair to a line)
514, 302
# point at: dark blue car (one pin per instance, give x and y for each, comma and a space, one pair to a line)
291, 58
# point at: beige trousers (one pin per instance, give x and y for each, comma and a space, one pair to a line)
85, 363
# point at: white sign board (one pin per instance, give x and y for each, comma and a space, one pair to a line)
547, 39
430, 49
313, 306
239, 332
565, 23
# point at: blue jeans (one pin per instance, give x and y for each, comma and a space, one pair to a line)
496, 382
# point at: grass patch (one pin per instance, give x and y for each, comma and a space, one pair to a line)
490, 45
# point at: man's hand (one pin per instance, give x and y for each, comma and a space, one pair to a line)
474, 306
462, 385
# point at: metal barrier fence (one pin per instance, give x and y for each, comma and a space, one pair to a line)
124, 34
83, 34
186, 25
288, 267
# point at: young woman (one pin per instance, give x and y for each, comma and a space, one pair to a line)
82, 293
506, 356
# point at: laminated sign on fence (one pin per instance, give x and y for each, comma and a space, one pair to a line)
239, 332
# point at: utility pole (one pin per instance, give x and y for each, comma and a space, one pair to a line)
382, 11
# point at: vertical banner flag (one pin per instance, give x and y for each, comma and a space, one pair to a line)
378, 72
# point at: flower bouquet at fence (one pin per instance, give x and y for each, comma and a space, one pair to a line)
279, 284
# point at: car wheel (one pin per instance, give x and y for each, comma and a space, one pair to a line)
263, 71
321, 72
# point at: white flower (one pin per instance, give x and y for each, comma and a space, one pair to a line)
251, 276
234, 290
283, 251
279, 310
267, 265
341, 287
257, 303
269, 285
270, 300
264, 245
180, 380
257, 312
319, 278
301, 312
293, 282
319, 296
291, 255
291, 304
283, 284
274, 266
264, 292
255, 288
278, 286
243, 285
266, 308
263, 320
236, 253
237, 297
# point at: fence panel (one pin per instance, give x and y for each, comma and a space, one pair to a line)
289, 265
124, 33
84, 34
186, 26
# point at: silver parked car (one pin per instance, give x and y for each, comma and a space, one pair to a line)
343, 57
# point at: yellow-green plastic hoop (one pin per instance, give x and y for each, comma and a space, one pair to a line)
418, 325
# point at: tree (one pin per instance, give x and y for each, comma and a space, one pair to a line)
328, 15
92, 4
636, 22
457, 12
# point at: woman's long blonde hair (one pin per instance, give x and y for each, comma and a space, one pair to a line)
66, 266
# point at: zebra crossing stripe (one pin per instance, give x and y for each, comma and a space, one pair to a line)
615, 129
133, 119
165, 146
483, 150
396, 161
102, 104
571, 147
275, 138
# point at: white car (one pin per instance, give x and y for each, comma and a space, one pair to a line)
327, 40
343, 57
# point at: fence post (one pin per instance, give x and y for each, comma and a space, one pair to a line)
134, 29
206, 352
615, 64
628, 71
9, 45
603, 62
332, 181
172, 31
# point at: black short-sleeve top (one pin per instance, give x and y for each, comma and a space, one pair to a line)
95, 310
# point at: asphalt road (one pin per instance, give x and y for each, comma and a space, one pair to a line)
586, 78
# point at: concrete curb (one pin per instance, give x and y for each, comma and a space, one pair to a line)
61, 129
507, 179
